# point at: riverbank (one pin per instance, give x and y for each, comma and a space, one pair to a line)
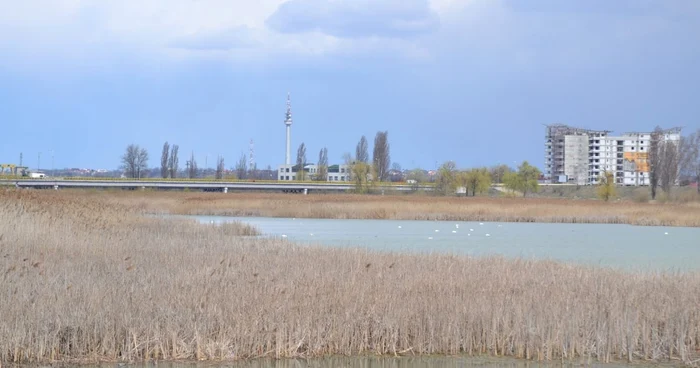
89, 279
407, 207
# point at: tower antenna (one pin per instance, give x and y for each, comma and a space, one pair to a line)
251, 156
288, 124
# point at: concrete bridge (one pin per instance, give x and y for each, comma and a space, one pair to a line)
211, 186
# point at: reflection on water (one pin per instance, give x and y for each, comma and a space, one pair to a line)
625, 246
388, 362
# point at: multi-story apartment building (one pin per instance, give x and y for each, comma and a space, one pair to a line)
580, 156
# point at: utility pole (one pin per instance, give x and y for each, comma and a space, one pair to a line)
20, 158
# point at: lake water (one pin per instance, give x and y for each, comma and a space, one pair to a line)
619, 246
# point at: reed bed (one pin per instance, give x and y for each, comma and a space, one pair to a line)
408, 207
86, 280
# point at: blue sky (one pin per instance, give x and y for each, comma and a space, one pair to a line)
466, 80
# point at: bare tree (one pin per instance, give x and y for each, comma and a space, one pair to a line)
497, 173
381, 156
242, 167
654, 159
192, 167
362, 150
173, 161
669, 165
220, 168
134, 161
446, 178
164, 159
301, 162
690, 157
322, 172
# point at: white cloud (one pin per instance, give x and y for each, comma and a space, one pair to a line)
355, 18
87, 32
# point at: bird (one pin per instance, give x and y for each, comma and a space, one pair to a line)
488, 234
399, 226
437, 231
454, 231
666, 233
430, 238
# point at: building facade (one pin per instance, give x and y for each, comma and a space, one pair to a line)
581, 156
339, 173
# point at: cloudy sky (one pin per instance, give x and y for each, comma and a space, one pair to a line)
472, 81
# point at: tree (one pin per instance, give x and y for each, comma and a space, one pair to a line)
654, 160
362, 150
164, 158
134, 161
381, 157
417, 177
173, 161
446, 178
476, 181
606, 186
301, 162
497, 173
525, 180
322, 173
669, 165
690, 157
241, 167
220, 168
192, 167
361, 172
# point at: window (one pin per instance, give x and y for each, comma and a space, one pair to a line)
281, 169
287, 171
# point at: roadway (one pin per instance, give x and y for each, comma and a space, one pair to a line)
220, 186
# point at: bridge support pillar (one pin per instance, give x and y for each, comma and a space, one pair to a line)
225, 190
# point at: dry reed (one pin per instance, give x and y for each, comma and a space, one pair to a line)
90, 280
407, 207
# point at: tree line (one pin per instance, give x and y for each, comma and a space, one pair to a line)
670, 163
362, 170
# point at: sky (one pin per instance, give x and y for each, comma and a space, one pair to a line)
472, 81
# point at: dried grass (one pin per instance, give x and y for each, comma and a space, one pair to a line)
86, 279
406, 207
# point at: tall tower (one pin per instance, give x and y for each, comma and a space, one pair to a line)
251, 157
288, 124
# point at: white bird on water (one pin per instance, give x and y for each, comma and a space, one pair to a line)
481, 223
437, 231
471, 229
454, 231
457, 226
666, 233
488, 234
430, 238
399, 226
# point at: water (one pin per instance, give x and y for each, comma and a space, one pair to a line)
619, 246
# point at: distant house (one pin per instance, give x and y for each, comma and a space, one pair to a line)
335, 172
